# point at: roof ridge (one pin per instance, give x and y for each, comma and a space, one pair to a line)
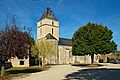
50, 36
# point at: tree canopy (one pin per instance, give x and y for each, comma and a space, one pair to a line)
43, 49
93, 39
13, 42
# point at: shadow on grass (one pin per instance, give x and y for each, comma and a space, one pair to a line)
15, 71
87, 65
23, 71
95, 74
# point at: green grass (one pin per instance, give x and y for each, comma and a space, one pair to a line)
16, 71
20, 71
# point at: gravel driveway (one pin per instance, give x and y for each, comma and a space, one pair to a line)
54, 73
59, 72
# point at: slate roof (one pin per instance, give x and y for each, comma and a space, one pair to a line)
48, 14
49, 36
64, 41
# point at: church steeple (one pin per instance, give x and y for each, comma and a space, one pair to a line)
48, 24
48, 14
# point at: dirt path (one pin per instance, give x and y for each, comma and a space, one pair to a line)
55, 73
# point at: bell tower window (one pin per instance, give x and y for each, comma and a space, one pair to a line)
40, 31
41, 23
52, 23
52, 30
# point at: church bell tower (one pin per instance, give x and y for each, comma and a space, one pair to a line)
48, 24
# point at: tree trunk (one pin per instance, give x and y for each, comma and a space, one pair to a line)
39, 63
43, 61
92, 58
39, 60
2, 70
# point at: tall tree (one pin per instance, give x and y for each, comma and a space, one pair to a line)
93, 39
43, 49
13, 43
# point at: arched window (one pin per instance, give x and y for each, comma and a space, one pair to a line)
52, 30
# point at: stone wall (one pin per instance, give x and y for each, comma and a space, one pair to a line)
66, 57
82, 59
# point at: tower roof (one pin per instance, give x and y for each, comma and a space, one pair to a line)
48, 14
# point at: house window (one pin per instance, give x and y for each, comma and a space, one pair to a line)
40, 31
21, 62
52, 30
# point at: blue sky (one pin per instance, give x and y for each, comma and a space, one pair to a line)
71, 14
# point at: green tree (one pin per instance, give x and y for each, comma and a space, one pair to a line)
93, 39
32, 60
43, 49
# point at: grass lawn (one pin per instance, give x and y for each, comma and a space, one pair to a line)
19, 71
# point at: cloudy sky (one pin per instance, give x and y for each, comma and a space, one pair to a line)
71, 14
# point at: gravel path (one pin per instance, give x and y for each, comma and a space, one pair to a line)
55, 73
59, 72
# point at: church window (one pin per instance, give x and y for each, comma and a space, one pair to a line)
40, 23
40, 31
52, 23
52, 30
50, 13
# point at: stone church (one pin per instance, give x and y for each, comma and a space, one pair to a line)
48, 26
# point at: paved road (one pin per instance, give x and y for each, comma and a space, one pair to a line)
59, 72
